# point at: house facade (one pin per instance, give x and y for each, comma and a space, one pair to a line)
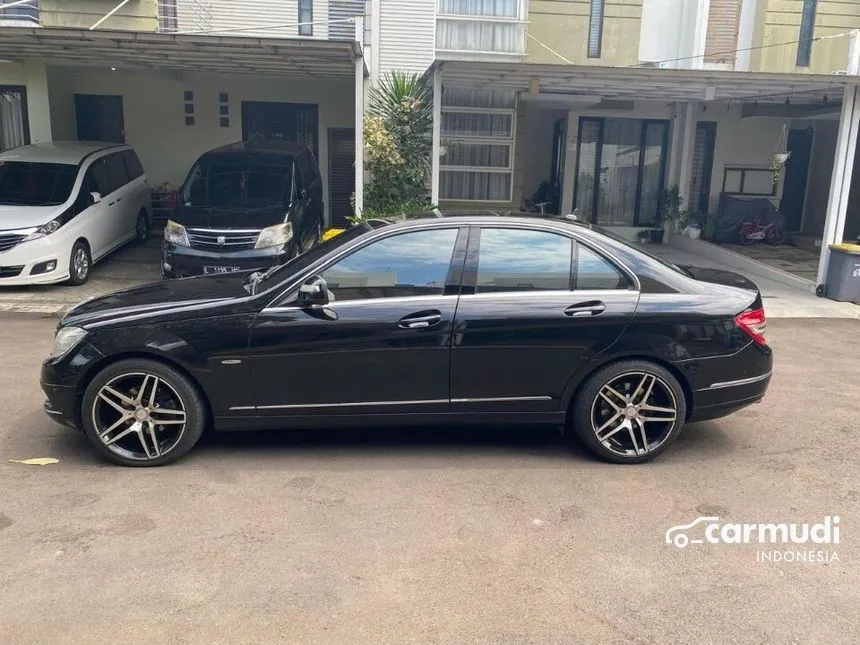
593, 105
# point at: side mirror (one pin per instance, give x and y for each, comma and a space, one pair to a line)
95, 197
313, 292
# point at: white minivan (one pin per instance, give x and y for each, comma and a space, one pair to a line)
66, 205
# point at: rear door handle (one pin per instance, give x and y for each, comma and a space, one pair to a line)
421, 320
585, 309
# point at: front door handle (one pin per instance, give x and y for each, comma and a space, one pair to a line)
585, 309
421, 320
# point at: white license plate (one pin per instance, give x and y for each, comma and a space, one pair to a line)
220, 269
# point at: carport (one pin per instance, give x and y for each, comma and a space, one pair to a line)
508, 127
174, 96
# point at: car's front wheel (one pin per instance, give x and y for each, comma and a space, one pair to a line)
140, 412
80, 263
629, 412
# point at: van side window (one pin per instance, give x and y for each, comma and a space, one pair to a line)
117, 174
132, 164
97, 177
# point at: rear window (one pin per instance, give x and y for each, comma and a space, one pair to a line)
36, 184
221, 181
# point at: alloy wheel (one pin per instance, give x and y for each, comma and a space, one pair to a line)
142, 228
634, 413
139, 416
81, 263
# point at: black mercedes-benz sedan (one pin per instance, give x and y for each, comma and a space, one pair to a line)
433, 321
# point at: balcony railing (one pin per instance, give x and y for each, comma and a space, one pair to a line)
479, 28
24, 13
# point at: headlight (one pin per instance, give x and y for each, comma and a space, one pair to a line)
275, 236
175, 234
44, 229
66, 339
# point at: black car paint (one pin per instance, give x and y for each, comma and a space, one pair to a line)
261, 360
304, 211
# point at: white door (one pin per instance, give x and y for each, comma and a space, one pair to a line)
95, 223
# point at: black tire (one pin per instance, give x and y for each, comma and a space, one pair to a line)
80, 264
141, 230
176, 386
586, 412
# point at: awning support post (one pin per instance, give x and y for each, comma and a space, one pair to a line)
840, 181
688, 143
437, 137
359, 122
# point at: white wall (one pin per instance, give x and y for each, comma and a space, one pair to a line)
407, 35
673, 29
747, 142
155, 119
34, 77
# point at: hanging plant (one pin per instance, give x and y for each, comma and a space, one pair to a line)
780, 155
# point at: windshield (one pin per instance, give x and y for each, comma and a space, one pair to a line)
306, 259
36, 184
640, 249
222, 181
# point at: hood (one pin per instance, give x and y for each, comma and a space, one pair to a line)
227, 217
160, 297
719, 276
13, 216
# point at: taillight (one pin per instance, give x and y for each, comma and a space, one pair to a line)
753, 322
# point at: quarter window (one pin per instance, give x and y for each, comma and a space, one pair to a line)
410, 264
522, 260
117, 175
595, 272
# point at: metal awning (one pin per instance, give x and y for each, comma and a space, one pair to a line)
201, 53
644, 83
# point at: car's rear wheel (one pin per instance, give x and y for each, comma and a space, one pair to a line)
629, 412
80, 263
140, 412
141, 230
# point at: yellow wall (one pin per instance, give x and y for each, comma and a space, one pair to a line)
562, 25
137, 15
778, 21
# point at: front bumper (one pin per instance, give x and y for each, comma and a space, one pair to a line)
184, 262
28, 255
63, 382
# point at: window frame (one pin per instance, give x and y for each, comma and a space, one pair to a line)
744, 170
21, 91
508, 141
468, 284
806, 33
305, 7
598, 50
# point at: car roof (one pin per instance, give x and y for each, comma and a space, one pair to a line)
263, 147
64, 152
416, 220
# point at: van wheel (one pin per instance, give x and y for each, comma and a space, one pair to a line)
142, 228
80, 264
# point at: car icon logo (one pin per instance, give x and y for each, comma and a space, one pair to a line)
677, 534
222, 240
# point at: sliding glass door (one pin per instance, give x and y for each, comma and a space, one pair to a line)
621, 166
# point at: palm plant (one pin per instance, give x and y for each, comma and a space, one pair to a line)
401, 106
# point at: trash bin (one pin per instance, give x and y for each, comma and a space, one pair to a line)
843, 273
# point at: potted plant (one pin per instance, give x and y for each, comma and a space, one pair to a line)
670, 206
777, 163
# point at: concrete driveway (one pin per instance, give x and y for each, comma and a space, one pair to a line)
446, 537
129, 266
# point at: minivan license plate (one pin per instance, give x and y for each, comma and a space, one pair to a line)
220, 269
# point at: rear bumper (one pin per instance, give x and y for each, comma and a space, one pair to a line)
184, 262
726, 384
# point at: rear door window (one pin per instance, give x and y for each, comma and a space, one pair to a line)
523, 260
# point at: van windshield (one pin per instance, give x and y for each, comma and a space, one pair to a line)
223, 181
36, 184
